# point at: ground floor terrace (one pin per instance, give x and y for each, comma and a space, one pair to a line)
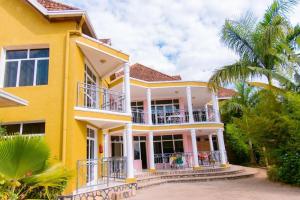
127, 152
158, 150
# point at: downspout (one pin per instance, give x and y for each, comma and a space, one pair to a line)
65, 94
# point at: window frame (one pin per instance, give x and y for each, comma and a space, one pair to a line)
4, 60
21, 128
161, 140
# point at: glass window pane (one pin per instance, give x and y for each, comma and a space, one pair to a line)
177, 137
42, 72
11, 70
143, 138
167, 137
164, 102
16, 54
136, 147
140, 103
157, 147
168, 147
26, 72
156, 137
34, 128
135, 138
176, 101
179, 146
39, 53
12, 129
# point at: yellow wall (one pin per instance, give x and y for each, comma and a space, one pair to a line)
23, 26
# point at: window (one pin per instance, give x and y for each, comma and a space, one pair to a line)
137, 140
168, 144
33, 128
26, 67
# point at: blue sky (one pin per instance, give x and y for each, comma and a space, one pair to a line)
173, 36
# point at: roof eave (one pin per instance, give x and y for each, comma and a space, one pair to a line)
63, 13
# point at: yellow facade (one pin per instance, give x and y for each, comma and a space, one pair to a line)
24, 27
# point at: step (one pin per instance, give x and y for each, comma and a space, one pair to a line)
201, 174
233, 174
191, 174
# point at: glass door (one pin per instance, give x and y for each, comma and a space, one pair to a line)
91, 155
90, 87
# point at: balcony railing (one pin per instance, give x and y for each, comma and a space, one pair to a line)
173, 117
185, 160
95, 172
93, 97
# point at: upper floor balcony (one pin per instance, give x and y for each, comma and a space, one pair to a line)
91, 96
175, 116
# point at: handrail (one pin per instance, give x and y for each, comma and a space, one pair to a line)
93, 97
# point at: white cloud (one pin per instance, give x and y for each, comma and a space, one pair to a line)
173, 36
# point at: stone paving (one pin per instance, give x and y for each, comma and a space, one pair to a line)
255, 188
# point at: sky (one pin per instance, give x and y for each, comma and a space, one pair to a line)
172, 36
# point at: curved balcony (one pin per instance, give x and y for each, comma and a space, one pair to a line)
173, 117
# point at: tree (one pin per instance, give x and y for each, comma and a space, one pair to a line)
239, 105
26, 171
265, 48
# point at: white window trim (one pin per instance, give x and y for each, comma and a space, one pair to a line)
4, 60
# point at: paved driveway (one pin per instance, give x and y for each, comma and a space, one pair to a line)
255, 188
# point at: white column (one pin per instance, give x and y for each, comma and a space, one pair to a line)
124, 143
106, 143
215, 107
194, 146
190, 105
149, 114
127, 88
211, 144
151, 150
222, 146
206, 112
130, 169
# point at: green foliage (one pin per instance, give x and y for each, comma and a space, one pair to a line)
266, 48
25, 171
273, 122
236, 143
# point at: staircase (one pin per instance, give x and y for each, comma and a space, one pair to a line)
183, 176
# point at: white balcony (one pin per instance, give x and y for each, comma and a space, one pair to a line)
92, 97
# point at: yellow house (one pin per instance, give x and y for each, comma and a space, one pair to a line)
101, 118
51, 57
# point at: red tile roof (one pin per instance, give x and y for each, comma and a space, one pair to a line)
224, 92
142, 72
55, 6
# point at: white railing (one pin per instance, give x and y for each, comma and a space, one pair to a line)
185, 160
93, 97
95, 172
173, 117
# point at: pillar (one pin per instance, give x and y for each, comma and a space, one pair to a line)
221, 145
106, 143
127, 88
151, 151
129, 158
211, 144
149, 112
195, 150
190, 105
215, 107
124, 143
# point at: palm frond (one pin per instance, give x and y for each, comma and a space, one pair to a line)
237, 36
237, 72
278, 7
20, 156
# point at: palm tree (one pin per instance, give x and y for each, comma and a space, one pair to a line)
25, 170
266, 48
242, 103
